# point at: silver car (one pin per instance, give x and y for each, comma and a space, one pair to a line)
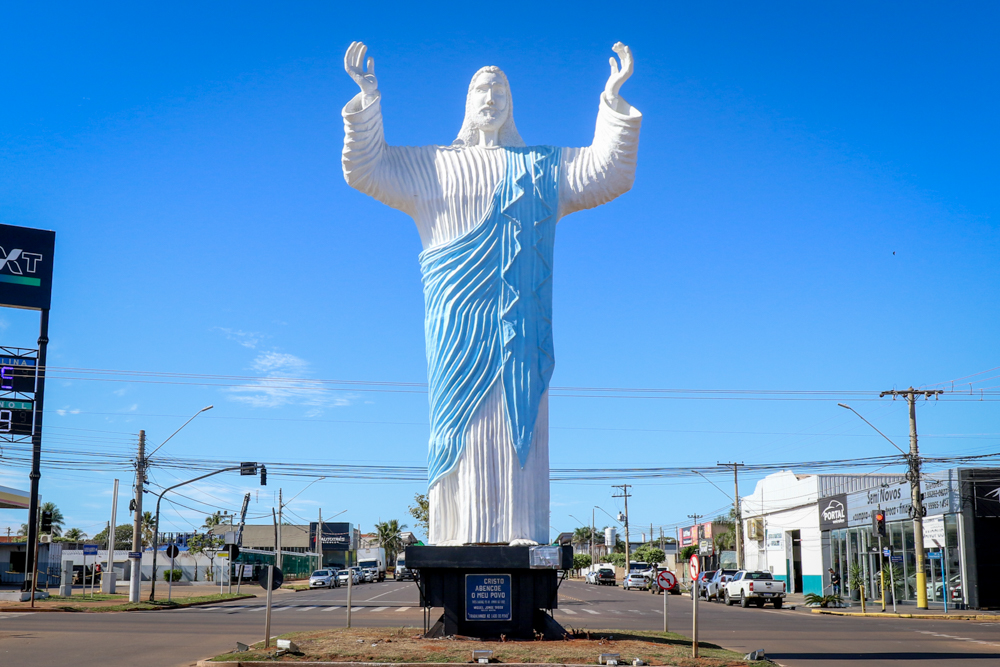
323, 579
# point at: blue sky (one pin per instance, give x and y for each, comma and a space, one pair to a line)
815, 209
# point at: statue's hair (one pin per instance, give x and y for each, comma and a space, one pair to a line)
469, 134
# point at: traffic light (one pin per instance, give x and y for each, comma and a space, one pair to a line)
263, 475
46, 522
880, 523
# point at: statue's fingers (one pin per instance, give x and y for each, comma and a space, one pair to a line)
349, 57
614, 66
371, 66
361, 57
618, 47
628, 63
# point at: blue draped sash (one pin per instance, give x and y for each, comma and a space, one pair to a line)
488, 317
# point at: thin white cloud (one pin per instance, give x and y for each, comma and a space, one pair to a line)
249, 339
62, 412
285, 383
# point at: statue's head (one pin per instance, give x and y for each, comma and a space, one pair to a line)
488, 107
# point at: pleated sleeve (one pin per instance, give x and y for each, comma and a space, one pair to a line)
598, 173
390, 174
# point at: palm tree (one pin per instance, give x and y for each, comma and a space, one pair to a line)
146, 530
58, 520
75, 535
581, 535
390, 537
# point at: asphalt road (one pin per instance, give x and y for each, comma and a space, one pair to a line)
794, 638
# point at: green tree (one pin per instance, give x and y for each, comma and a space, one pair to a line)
617, 559
146, 528
421, 512
689, 551
581, 561
206, 544
389, 535
582, 535
649, 554
123, 537
74, 535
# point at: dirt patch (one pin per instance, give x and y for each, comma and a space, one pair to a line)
384, 645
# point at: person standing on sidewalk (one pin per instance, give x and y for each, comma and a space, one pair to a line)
835, 582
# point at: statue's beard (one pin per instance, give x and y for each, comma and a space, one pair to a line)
488, 119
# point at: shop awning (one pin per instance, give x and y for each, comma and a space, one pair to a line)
12, 499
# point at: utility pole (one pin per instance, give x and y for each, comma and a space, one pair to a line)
592, 528
135, 575
913, 475
739, 517
319, 539
625, 495
277, 552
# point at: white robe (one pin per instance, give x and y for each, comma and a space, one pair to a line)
488, 498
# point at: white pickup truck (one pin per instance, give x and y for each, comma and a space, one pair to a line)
756, 587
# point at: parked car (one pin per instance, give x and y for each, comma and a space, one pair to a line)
714, 589
635, 580
349, 574
606, 576
756, 587
590, 577
702, 581
359, 574
371, 574
324, 579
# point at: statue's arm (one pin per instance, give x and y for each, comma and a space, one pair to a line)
370, 165
596, 174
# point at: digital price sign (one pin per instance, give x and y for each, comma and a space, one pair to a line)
17, 374
16, 417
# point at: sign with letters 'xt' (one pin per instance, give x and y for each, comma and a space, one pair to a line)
26, 271
487, 597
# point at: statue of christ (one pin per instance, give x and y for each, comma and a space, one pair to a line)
486, 209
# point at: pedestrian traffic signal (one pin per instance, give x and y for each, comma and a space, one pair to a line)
263, 475
880, 523
46, 522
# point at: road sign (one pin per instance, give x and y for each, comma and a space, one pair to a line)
694, 567
171, 551
248, 468
934, 554
275, 582
232, 551
135, 555
488, 597
896, 558
89, 549
666, 580
887, 552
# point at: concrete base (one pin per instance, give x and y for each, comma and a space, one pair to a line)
443, 578
109, 580
21, 596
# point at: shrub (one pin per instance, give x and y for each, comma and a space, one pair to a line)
172, 575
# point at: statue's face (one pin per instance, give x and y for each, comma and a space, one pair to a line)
490, 102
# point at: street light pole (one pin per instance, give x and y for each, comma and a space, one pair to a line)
156, 532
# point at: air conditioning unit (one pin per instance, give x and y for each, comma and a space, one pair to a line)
45, 538
755, 529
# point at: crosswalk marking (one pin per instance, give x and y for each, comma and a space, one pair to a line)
354, 610
568, 611
379, 609
398, 610
303, 608
591, 611
327, 609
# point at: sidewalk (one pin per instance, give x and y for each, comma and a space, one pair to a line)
82, 601
908, 609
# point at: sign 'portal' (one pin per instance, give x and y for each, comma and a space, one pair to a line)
487, 597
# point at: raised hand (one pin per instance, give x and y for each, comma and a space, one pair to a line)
354, 64
618, 76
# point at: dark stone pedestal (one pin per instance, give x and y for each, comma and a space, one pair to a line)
488, 591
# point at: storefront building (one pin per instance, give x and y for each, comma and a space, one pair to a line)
800, 526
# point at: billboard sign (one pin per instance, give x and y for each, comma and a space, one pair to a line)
336, 536
26, 271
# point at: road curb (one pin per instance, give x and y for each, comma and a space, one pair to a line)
84, 610
928, 617
271, 663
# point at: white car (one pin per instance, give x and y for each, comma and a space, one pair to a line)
371, 574
635, 580
323, 579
